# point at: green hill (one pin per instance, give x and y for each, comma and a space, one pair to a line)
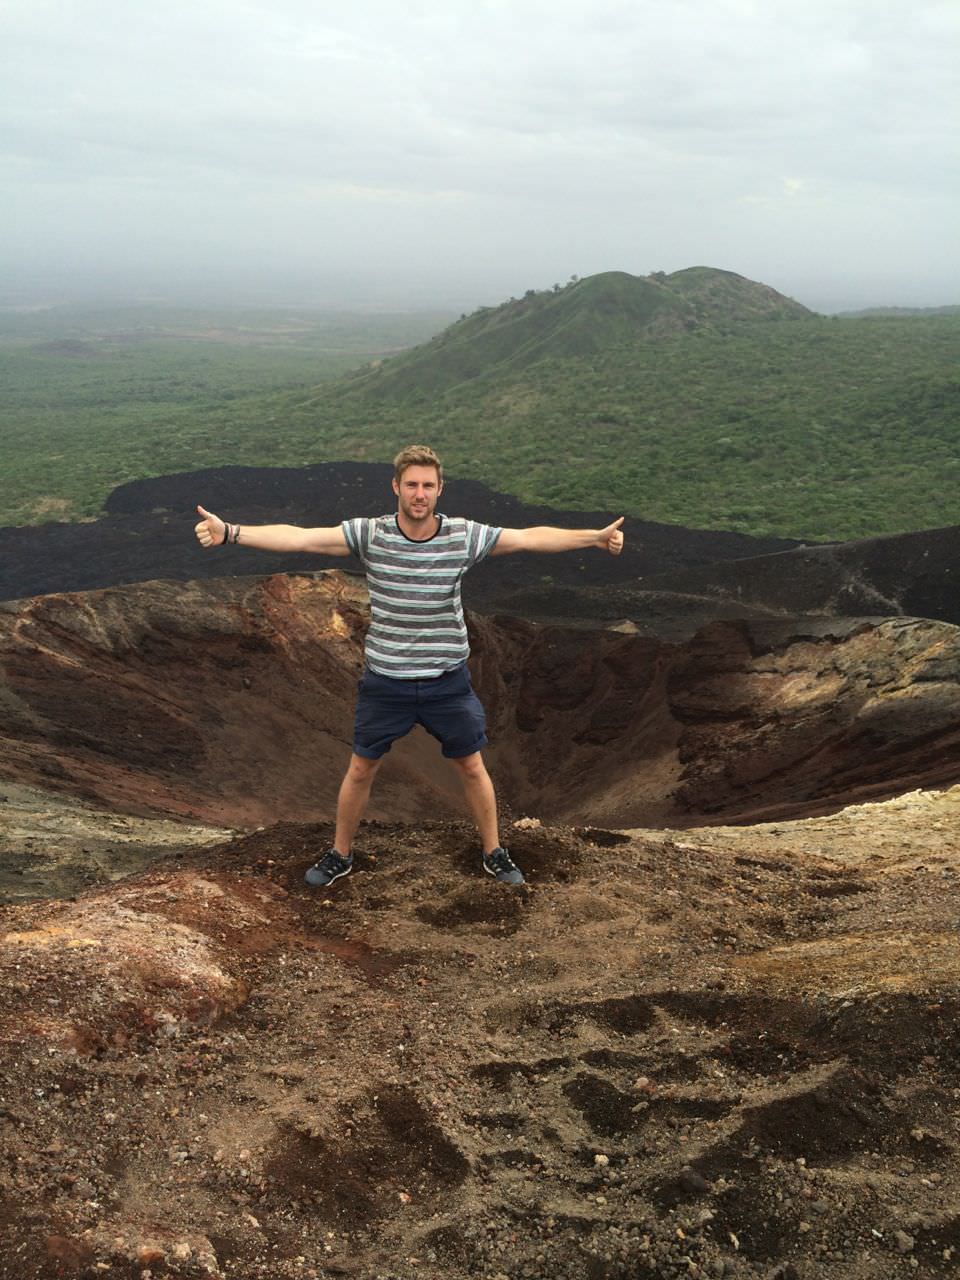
699, 398
582, 319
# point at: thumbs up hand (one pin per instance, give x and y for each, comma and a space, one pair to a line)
210, 529
611, 538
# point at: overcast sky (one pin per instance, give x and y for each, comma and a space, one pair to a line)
456, 152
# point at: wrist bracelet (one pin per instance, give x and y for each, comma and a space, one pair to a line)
235, 533
226, 534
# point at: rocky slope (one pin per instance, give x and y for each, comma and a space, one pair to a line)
910, 574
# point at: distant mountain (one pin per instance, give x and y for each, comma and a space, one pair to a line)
583, 318
897, 313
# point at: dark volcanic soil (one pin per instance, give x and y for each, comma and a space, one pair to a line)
148, 533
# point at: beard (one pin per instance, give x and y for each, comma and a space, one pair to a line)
416, 512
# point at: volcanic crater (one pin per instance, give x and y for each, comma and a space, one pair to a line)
230, 702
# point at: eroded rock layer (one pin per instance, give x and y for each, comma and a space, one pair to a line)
231, 703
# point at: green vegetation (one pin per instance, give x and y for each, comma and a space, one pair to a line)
698, 398
93, 398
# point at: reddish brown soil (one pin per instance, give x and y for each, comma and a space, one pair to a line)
723, 1056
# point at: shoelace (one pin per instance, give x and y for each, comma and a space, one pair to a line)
333, 862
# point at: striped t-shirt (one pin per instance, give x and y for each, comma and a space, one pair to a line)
417, 629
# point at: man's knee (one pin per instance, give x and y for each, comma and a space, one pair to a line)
361, 770
471, 766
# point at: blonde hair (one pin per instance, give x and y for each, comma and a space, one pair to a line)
416, 455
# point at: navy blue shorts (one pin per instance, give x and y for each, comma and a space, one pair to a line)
446, 706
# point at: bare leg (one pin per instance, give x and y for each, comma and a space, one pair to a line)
352, 800
481, 798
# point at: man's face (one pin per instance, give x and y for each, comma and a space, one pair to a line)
418, 490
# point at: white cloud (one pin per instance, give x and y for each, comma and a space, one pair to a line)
537, 136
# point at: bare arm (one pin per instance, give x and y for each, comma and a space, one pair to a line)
211, 531
545, 537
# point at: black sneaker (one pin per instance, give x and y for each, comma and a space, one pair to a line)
330, 867
500, 865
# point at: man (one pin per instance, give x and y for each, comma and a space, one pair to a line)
416, 648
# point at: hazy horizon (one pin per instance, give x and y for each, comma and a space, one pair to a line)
65, 291
450, 157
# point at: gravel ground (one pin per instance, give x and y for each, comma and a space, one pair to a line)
719, 1053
